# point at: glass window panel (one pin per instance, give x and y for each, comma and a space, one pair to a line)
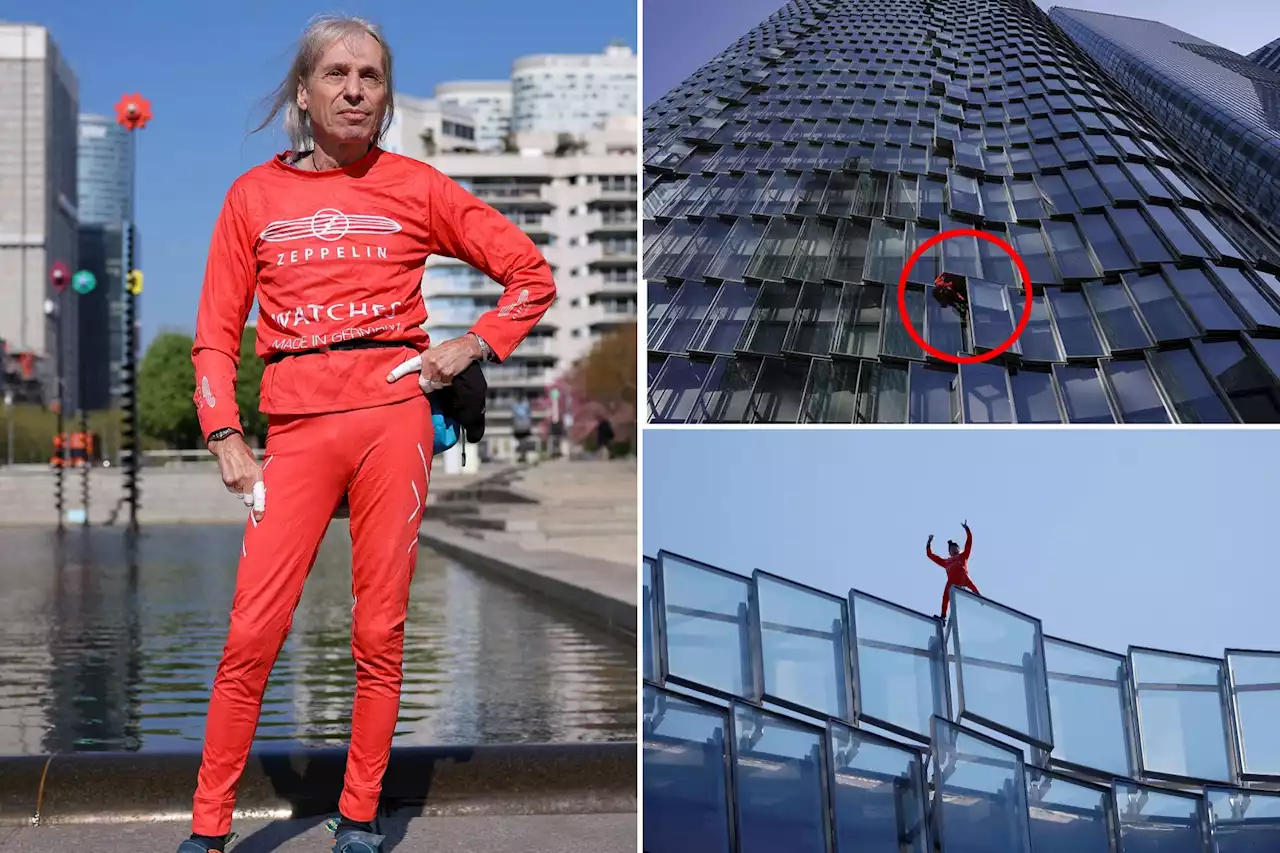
707, 629
943, 328
1246, 382
1035, 401
816, 315
1157, 821
778, 776
1256, 682
1268, 350
933, 195
812, 251
771, 316
935, 395
778, 392
1101, 146
841, 192
1088, 691
1135, 391
740, 244
1066, 816
1073, 150
809, 194
660, 295
1075, 323
963, 194
980, 793
1056, 194
990, 322
701, 250
1180, 715
1117, 316
986, 394
1027, 202
674, 391
1069, 249
902, 197
878, 796
1104, 242
1085, 187
1188, 388
649, 637
1116, 182
666, 251
1021, 162
725, 319
1028, 241
1205, 302
995, 202
745, 197
1247, 296
960, 255
774, 252
1000, 669
871, 192
896, 340
925, 269
1137, 233
1083, 394
727, 391
832, 392
1146, 179
849, 254
861, 313
1047, 155
803, 647
1176, 232
1181, 187
1160, 308
882, 394
885, 252
685, 785
900, 668
719, 196
686, 314
1211, 232
915, 160
1244, 822
1038, 341
778, 195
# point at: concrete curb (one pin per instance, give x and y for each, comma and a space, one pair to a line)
566, 579
527, 779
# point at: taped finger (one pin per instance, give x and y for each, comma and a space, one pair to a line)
259, 496
405, 368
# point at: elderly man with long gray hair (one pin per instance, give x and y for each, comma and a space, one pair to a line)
331, 237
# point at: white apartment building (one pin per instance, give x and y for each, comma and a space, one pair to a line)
573, 93
489, 102
576, 197
429, 125
38, 216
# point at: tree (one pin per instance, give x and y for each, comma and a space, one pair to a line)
249, 385
602, 384
166, 387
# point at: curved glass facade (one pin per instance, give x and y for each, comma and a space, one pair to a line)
789, 180
781, 717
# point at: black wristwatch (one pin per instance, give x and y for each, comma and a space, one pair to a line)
219, 434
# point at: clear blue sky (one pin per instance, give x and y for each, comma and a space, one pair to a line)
680, 36
206, 66
1111, 537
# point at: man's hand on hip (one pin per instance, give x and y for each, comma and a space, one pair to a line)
438, 365
241, 473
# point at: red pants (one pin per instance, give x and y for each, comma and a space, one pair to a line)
381, 458
946, 593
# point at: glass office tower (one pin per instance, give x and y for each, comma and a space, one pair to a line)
788, 181
781, 717
1223, 107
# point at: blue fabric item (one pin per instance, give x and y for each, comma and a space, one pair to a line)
446, 431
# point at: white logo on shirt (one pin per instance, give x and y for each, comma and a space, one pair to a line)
517, 308
329, 224
209, 399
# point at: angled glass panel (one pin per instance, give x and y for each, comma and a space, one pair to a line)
687, 313
877, 794
650, 628
849, 253
944, 327
778, 774
1188, 388
831, 396
899, 665
803, 647
666, 252
1210, 232
861, 311
1181, 715
771, 317
1175, 232
726, 318
686, 784
1117, 316
990, 321
1104, 241
980, 794
778, 391
1247, 384
1135, 392
812, 252
897, 342
1244, 821
774, 252
935, 395
1247, 295
813, 329
885, 253
1029, 243
1000, 669
1039, 340
740, 244
1075, 323
1157, 821
1035, 400
701, 250
1255, 682
986, 392
674, 392
1068, 816
1087, 698
882, 394
1069, 249
1135, 229
707, 629
1165, 316
1083, 394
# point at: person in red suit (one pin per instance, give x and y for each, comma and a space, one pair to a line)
331, 237
950, 293
956, 564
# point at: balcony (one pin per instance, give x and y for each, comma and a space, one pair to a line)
782, 717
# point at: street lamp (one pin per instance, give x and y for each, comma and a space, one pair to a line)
59, 277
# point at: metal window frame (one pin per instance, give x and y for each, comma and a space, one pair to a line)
935, 815
940, 677
962, 714
1222, 689
1242, 774
1128, 712
749, 669
921, 754
1109, 803
845, 688
1202, 807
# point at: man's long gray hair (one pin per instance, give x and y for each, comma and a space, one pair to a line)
320, 33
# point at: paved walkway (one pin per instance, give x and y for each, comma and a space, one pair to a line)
596, 833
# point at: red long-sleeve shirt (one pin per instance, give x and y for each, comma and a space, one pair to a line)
958, 566
338, 255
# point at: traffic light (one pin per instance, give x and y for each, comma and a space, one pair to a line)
133, 282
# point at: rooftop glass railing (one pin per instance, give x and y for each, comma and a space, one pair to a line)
782, 717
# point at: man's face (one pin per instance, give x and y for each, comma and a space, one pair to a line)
347, 92
954, 549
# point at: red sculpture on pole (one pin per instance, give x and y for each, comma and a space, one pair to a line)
133, 111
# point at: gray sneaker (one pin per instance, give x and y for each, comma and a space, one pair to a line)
353, 840
190, 846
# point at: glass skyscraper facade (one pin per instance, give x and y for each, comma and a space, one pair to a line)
788, 181
1222, 107
781, 717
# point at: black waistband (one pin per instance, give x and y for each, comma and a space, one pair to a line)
358, 343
